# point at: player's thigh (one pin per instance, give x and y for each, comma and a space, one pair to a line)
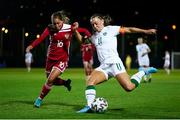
124, 81
54, 74
85, 63
96, 78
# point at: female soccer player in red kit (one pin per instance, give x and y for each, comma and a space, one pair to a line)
58, 51
87, 49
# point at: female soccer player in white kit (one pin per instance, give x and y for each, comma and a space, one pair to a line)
143, 59
105, 41
28, 60
167, 62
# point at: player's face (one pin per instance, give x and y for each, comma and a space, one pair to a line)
58, 23
97, 24
140, 40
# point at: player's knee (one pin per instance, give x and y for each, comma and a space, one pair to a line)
128, 88
91, 82
49, 83
51, 79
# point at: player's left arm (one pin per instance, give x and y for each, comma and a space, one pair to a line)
137, 30
85, 32
76, 32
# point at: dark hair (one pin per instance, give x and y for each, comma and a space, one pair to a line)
107, 19
66, 16
52, 29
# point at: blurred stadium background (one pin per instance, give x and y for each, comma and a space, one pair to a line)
21, 21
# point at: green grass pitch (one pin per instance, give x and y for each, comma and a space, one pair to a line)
159, 99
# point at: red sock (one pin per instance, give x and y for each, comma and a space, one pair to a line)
45, 90
59, 81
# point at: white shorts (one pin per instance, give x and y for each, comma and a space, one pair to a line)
111, 69
166, 63
143, 62
28, 60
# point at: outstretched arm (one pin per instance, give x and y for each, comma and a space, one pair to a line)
38, 40
137, 30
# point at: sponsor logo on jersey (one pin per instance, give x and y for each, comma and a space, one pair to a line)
105, 33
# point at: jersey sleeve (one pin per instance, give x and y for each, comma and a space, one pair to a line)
93, 47
41, 38
137, 48
84, 31
115, 30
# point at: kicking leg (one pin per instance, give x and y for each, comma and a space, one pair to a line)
90, 92
47, 87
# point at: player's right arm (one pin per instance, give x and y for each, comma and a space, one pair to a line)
38, 40
84, 31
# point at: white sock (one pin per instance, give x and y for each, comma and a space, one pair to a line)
168, 71
29, 69
138, 76
90, 96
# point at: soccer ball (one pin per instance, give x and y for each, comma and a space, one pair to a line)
99, 105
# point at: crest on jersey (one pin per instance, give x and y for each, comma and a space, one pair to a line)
67, 35
105, 33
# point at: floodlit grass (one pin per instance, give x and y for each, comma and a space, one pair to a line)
159, 99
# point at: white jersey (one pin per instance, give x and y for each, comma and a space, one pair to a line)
167, 60
141, 49
28, 57
106, 44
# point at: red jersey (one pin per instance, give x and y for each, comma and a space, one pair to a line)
59, 42
87, 51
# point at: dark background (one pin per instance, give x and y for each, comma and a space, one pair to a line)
32, 16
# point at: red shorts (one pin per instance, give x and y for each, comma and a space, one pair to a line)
60, 65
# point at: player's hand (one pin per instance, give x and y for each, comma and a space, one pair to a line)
143, 54
151, 31
75, 25
29, 48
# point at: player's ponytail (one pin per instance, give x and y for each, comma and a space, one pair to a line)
107, 20
52, 29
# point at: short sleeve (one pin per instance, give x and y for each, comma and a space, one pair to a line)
115, 30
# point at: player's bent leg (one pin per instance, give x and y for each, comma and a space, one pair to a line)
67, 84
53, 75
124, 81
53, 78
46, 87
